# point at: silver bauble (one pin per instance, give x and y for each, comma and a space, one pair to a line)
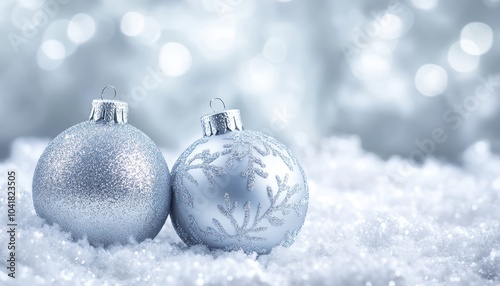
237, 189
103, 179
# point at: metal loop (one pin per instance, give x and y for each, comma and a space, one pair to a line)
102, 92
222, 101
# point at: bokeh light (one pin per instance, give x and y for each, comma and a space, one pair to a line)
58, 30
54, 49
175, 59
372, 65
50, 55
461, 61
476, 38
431, 80
81, 28
132, 24
391, 26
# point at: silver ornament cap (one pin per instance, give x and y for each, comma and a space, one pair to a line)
109, 111
221, 122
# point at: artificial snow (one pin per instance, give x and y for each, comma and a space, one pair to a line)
370, 222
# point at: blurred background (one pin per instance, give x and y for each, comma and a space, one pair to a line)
404, 76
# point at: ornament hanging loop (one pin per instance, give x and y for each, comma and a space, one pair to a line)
221, 122
109, 111
102, 92
217, 98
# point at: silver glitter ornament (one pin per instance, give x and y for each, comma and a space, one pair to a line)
237, 189
103, 179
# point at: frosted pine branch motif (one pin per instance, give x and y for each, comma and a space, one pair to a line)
246, 232
243, 145
182, 169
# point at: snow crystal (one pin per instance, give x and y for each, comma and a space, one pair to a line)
368, 224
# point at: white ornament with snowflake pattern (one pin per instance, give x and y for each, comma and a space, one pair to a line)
237, 189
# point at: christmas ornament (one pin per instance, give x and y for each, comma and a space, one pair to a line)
103, 179
237, 189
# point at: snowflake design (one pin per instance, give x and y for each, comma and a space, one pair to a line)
289, 238
182, 234
182, 170
243, 146
247, 149
247, 232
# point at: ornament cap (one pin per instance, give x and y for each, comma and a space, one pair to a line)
109, 111
221, 122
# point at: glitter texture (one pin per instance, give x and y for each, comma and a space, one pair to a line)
238, 190
106, 181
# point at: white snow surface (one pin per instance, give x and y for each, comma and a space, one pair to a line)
438, 224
